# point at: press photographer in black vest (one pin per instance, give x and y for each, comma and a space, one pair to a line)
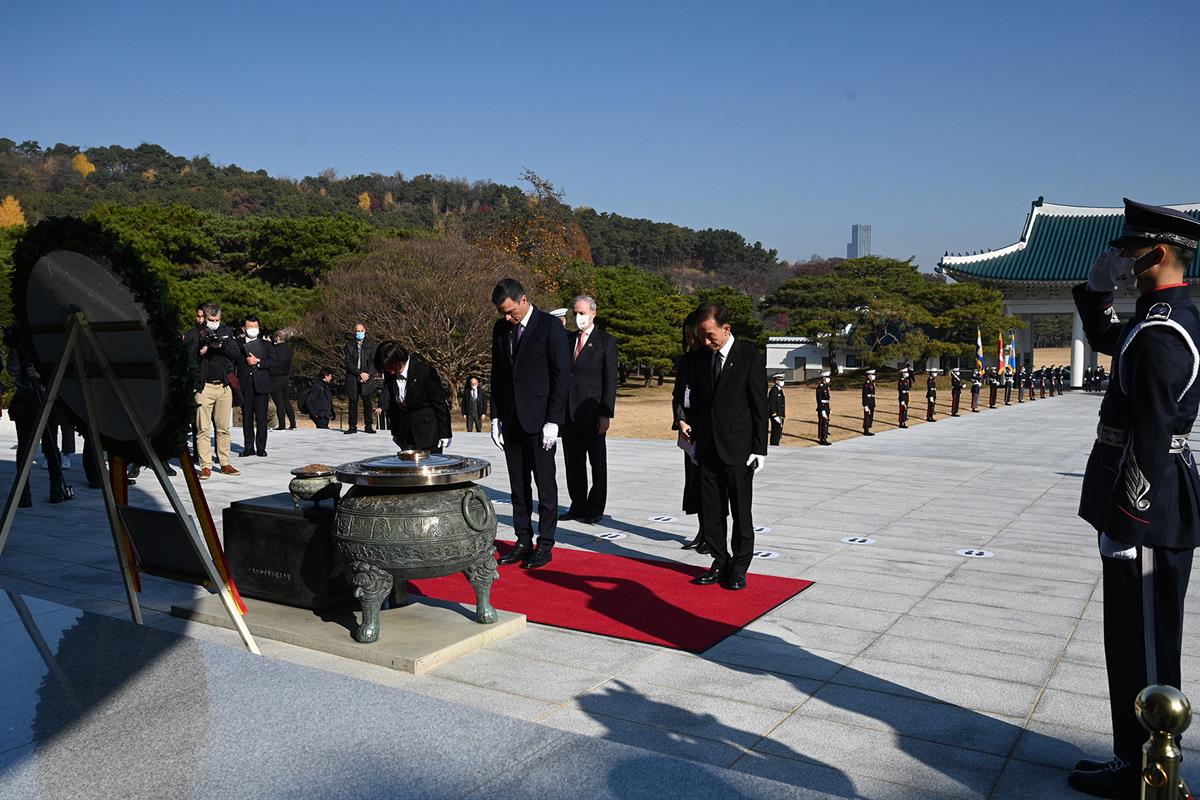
254, 373
414, 400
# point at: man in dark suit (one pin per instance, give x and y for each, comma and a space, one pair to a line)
254, 373
590, 403
729, 427
531, 374
358, 357
281, 378
474, 404
416, 408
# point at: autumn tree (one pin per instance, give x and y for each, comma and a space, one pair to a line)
364, 201
434, 295
81, 165
10, 212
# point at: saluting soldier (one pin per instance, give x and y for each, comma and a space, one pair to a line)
868, 402
931, 395
1008, 385
823, 406
976, 386
956, 387
902, 387
993, 386
775, 408
1141, 489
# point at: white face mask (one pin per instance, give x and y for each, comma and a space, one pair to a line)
212, 325
582, 321
251, 333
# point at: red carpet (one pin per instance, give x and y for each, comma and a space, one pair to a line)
626, 598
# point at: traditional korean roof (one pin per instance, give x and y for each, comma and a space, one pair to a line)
1057, 247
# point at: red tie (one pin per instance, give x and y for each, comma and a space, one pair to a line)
579, 347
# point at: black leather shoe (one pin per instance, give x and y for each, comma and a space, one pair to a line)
825, 444
245, 454
735, 584
703, 549
350, 430
592, 520
368, 430
1117, 779
568, 516
517, 554
1090, 765
280, 429
540, 558
868, 433
262, 453
903, 424
708, 578
694, 543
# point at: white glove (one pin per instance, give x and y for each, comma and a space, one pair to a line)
1111, 548
866, 409
1110, 270
549, 434
445, 443
756, 462
824, 415
497, 434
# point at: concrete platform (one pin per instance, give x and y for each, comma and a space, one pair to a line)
415, 638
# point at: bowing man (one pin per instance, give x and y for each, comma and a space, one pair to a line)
414, 399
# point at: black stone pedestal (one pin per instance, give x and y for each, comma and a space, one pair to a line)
282, 555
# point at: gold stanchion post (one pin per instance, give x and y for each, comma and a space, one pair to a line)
1165, 712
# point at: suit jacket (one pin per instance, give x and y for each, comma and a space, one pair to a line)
318, 402
283, 360
776, 403
530, 386
476, 409
424, 417
730, 417
257, 377
350, 361
593, 391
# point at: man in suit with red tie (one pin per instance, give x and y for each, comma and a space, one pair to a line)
729, 427
590, 403
414, 400
531, 374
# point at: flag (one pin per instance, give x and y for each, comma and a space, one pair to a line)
978, 350
1000, 354
1012, 351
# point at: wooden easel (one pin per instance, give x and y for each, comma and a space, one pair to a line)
82, 345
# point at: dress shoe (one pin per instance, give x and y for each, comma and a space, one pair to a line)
735, 584
1090, 765
368, 430
868, 433
704, 549
708, 578
568, 516
903, 424
205, 473
262, 453
246, 453
540, 558
350, 430
230, 469
519, 553
699, 540
825, 444
592, 520
292, 428
1118, 779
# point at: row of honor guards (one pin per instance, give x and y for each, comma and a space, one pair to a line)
1043, 382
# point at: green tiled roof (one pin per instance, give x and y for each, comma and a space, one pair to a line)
1057, 246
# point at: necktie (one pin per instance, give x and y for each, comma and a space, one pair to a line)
716, 365
401, 388
579, 347
517, 337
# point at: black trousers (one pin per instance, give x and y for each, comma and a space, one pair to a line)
354, 392
254, 419
1007, 395
822, 426
529, 464
930, 408
25, 424
776, 432
868, 418
1143, 634
282, 397
582, 445
474, 423
955, 399
727, 487
903, 415
992, 397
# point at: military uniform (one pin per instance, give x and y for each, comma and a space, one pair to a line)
823, 406
1141, 491
902, 387
956, 387
776, 405
868, 402
931, 396
976, 386
1008, 386
993, 387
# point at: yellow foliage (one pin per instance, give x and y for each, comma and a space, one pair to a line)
388, 200
82, 165
364, 201
150, 174
11, 213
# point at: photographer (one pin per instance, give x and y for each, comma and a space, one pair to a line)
218, 354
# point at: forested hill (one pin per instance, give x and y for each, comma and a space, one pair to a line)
67, 180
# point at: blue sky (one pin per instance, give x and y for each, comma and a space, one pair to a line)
937, 123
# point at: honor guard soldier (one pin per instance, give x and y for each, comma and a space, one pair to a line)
956, 387
823, 410
931, 396
976, 386
902, 387
993, 386
1088, 377
1064, 378
1008, 384
1040, 379
868, 402
775, 409
1141, 491
1031, 383
1020, 381
1098, 380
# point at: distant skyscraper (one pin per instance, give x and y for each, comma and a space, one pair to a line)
860, 241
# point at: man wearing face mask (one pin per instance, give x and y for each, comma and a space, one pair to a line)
359, 358
777, 408
823, 406
1141, 491
254, 373
219, 354
591, 400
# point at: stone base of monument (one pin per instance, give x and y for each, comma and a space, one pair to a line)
415, 638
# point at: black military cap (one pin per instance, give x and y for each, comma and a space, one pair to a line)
1157, 225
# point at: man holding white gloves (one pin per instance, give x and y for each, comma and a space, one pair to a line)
531, 374
1141, 491
729, 427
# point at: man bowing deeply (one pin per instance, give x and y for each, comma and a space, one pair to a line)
415, 400
531, 373
590, 403
729, 427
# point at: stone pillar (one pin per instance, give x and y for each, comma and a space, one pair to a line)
1078, 351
